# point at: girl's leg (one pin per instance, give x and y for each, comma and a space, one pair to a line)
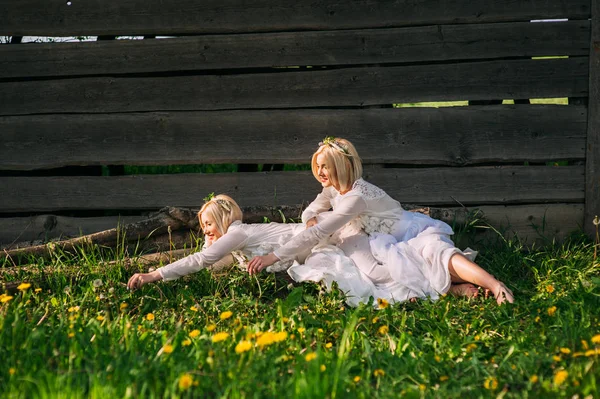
462, 270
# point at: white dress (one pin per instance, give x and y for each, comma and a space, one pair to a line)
396, 255
248, 240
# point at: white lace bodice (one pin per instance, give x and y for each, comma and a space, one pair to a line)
366, 207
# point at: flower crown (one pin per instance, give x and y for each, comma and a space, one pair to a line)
221, 202
332, 142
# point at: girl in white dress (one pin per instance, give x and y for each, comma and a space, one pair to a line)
224, 233
400, 254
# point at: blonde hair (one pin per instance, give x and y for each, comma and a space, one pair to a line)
345, 166
223, 210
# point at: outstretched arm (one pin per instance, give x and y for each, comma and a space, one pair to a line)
193, 263
348, 209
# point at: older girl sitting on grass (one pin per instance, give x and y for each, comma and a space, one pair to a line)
224, 232
393, 248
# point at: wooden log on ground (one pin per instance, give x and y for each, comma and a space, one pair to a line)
166, 220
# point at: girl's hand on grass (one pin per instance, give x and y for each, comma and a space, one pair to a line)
138, 280
311, 222
259, 263
502, 293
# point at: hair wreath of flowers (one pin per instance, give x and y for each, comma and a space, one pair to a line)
221, 202
332, 142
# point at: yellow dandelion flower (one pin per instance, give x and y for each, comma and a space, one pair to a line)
596, 339
356, 379
477, 338
584, 344
556, 358
150, 316
186, 342
265, 339
123, 306
320, 330
470, 347
194, 333
560, 376
12, 371
211, 327
24, 286
490, 383
328, 345
71, 334
592, 352
551, 310
285, 319
243, 346
310, 357
378, 373
38, 290
384, 330
279, 336
549, 288
167, 348
323, 368
382, 303
444, 378
537, 319
533, 379
220, 336
422, 387
566, 351
74, 309
375, 320
437, 358
225, 315
100, 318
301, 330
193, 309
185, 382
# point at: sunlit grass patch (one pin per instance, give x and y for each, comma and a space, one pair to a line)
86, 335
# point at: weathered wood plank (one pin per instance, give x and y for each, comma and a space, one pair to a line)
427, 186
340, 87
451, 136
371, 46
538, 222
592, 186
46, 227
136, 17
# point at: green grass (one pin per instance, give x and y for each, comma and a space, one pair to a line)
71, 336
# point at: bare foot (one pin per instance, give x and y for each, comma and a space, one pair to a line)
467, 290
503, 293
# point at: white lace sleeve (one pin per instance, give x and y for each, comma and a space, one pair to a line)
321, 204
232, 240
345, 211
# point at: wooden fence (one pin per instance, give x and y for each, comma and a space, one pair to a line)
264, 81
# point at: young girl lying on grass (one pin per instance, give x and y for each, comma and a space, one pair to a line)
402, 254
224, 232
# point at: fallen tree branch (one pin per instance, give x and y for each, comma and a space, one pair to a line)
171, 228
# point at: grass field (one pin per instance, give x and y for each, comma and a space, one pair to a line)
77, 332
